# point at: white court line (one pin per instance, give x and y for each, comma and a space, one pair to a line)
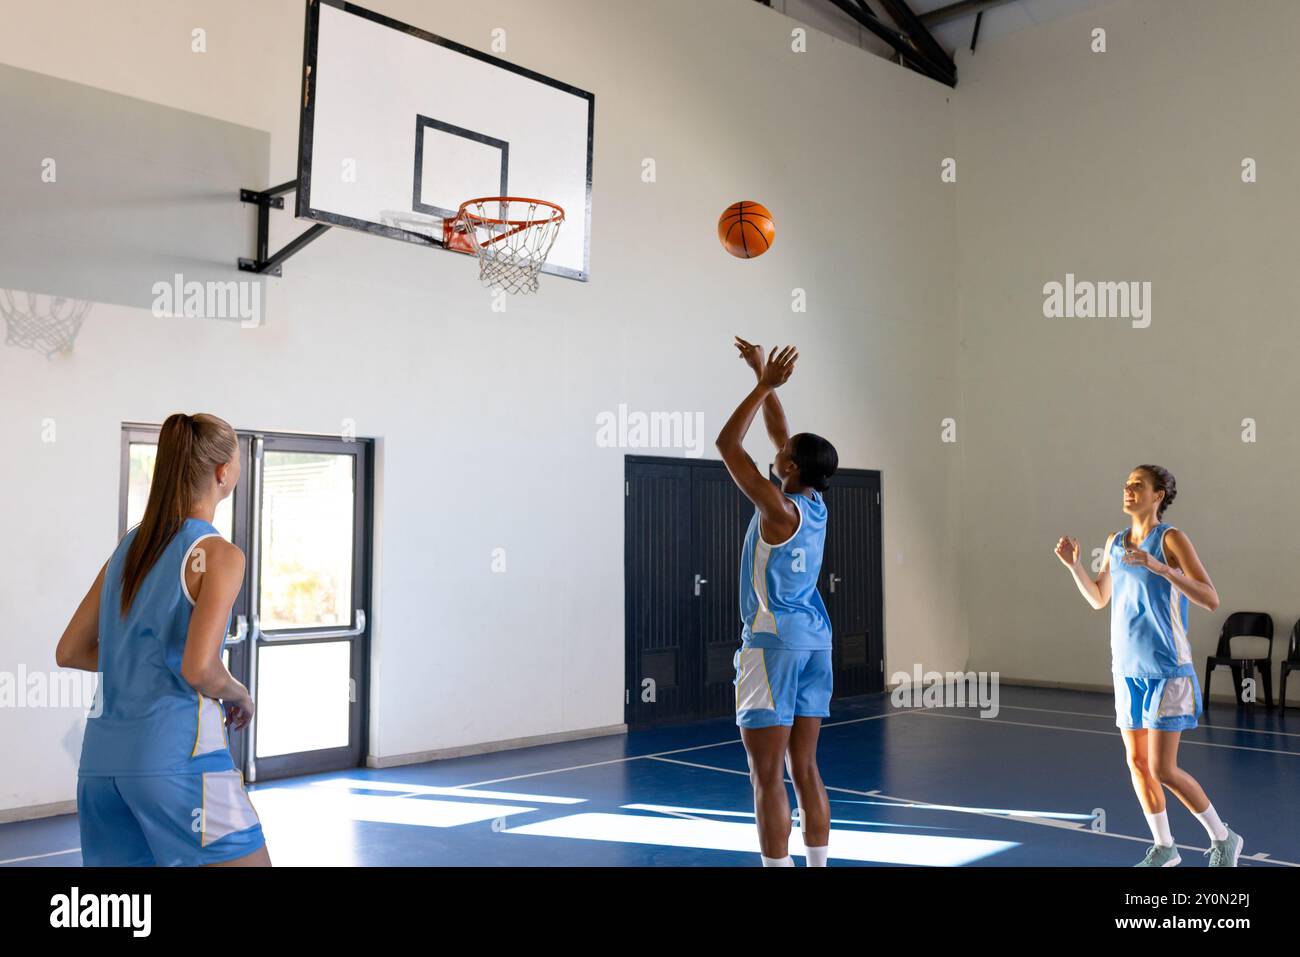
673, 812
1111, 716
749, 815
420, 790
659, 754
906, 802
1004, 815
37, 857
930, 713
1077, 828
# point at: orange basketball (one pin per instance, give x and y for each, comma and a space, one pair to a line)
746, 229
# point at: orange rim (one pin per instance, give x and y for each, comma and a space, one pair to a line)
464, 213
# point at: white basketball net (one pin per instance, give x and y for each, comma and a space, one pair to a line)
511, 237
47, 324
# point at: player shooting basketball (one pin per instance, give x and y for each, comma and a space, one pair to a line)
783, 667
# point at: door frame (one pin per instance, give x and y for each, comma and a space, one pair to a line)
630, 686
356, 631
877, 584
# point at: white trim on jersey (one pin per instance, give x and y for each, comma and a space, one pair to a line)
185, 589
1181, 644
764, 620
1180, 633
211, 733
762, 554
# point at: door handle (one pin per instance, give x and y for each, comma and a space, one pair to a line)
356, 632
834, 578
241, 631
698, 582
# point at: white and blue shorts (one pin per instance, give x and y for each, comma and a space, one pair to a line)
1159, 704
166, 820
776, 685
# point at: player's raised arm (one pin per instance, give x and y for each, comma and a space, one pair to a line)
778, 516
778, 429
1096, 592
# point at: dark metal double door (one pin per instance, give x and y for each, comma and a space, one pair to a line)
684, 524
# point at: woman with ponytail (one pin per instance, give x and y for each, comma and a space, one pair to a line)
1149, 572
783, 667
157, 785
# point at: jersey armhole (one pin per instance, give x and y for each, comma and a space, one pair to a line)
185, 562
1164, 554
792, 534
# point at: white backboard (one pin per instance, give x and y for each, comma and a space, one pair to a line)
400, 126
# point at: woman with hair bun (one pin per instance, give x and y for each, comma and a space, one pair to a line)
157, 785
1149, 573
783, 667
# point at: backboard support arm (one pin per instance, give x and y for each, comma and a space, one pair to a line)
267, 263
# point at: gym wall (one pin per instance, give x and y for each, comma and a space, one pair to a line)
486, 421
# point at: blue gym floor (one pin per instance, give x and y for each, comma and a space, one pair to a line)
938, 787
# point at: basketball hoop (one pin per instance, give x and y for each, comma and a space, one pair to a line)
47, 324
511, 250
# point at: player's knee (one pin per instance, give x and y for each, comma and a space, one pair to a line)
1164, 771
1137, 765
765, 773
804, 773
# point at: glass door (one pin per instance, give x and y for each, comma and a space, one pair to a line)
310, 581
299, 638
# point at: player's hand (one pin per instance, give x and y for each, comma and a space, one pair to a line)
779, 367
1141, 559
752, 354
239, 710
1067, 550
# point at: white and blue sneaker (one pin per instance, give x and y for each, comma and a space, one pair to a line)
1161, 855
1224, 853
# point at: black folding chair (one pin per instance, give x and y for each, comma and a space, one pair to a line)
1242, 624
1291, 663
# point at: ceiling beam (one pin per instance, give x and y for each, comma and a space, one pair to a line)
903, 45
955, 11
911, 24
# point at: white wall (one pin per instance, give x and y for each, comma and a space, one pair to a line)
1126, 166
487, 421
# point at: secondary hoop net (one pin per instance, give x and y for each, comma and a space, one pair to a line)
47, 324
511, 235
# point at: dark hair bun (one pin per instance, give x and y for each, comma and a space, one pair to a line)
817, 460
1164, 481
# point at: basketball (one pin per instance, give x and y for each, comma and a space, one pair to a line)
746, 229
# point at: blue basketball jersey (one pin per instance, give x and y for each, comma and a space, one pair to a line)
779, 603
1148, 615
148, 719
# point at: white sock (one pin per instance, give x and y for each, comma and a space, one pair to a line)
1209, 819
1159, 824
786, 861
816, 855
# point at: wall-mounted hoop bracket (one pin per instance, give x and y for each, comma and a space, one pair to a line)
266, 263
